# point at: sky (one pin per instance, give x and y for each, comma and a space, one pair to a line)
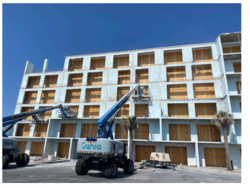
35, 32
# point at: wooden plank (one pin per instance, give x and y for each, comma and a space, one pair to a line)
30, 97
209, 156
202, 55
50, 81
21, 144
173, 132
205, 109
120, 132
91, 111
226, 50
238, 86
184, 155
26, 109
124, 77
89, 130
37, 149
94, 79
215, 133
73, 96
204, 91
33, 82
176, 74
40, 130
97, 63
63, 150
75, 80
146, 59
121, 91
184, 132
203, 133
202, 72
75, 64
197, 55
74, 110
124, 111
121, 61
178, 91
220, 157
178, 110
141, 110
142, 76
93, 95
235, 49
237, 67
68, 130
143, 152
48, 97
45, 115
143, 132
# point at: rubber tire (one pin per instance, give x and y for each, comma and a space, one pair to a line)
25, 159
109, 171
79, 169
127, 168
6, 161
165, 166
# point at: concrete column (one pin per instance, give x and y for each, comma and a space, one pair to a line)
197, 154
45, 146
70, 149
28, 67
45, 65
32, 130
128, 144
167, 130
188, 71
160, 126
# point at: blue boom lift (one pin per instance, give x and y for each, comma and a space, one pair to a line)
10, 150
105, 153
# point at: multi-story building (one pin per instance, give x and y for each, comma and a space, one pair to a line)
187, 85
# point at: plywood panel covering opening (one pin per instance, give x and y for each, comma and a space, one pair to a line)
176, 74
94, 79
45, 115
178, 110
231, 49
97, 63
143, 152
123, 112
142, 76
23, 130
73, 96
75, 80
75, 64
202, 72
173, 57
178, 155
206, 110
33, 82
237, 67
124, 77
121, 91
238, 85
215, 157
68, 130
141, 110
208, 133
202, 55
30, 97
147, 59
91, 111
93, 95
177, 91
89, 130
120, 132
145, 92
180, 132
36, 148
50, 81
142, 132
48, 97
27, 109
41, 130
204, 91
21, 144
121, 61
74, 110
63, 150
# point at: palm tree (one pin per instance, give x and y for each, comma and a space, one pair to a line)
222, 120
130, 124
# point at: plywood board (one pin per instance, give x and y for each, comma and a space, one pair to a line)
91, 111
26, 109
45, 115
36, 148
120, 132
73, 96
215, 157
204, 91
209, 156
124, 77
21, 144
97, 63
89, 130
74, 110
147, 59
176, 74
143, 152
68, 130
142, 76
202, 72
178, 91
48, 97
93, 95
226, 50
33, 82
75, 64
50, 81
178, 155
124, 111
121, 61
173, 132
94, 79
205, 110
30, 97
121, 91
184, 132
238, 86
202, 55
40, 130
143, 132
173, 57
235, 49
63, 150
141, 110
75, 80
204, 133
178, 110
237, 67
215, 133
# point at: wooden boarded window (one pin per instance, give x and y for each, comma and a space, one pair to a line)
94, 79
68, 130
141, 110
176, 74
21, 144
202, 55
33, 82
173, 57
73, 96
121, 61
91, 111
75, 80
124, 77
93, 95
231, 49
74, 110
50, 81
63, 150
120, 132
238, 85
142, 76
177, 91
41, 130
237, 67
36, 148
208, 133
147, 59
27, 109
178, 110
215, 157
178, 155
45, 115
89, 130
121, 91
204, 91
180, 132
202, 72
48, 97
142, 132
143, 152
207, 110
30, 97
97, 63
75, 64
123, 112
23, 130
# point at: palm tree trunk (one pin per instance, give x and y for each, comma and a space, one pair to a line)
228, 160
130, 144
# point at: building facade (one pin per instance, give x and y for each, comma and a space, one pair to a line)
187, 85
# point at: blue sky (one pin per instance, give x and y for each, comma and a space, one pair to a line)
36, 32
